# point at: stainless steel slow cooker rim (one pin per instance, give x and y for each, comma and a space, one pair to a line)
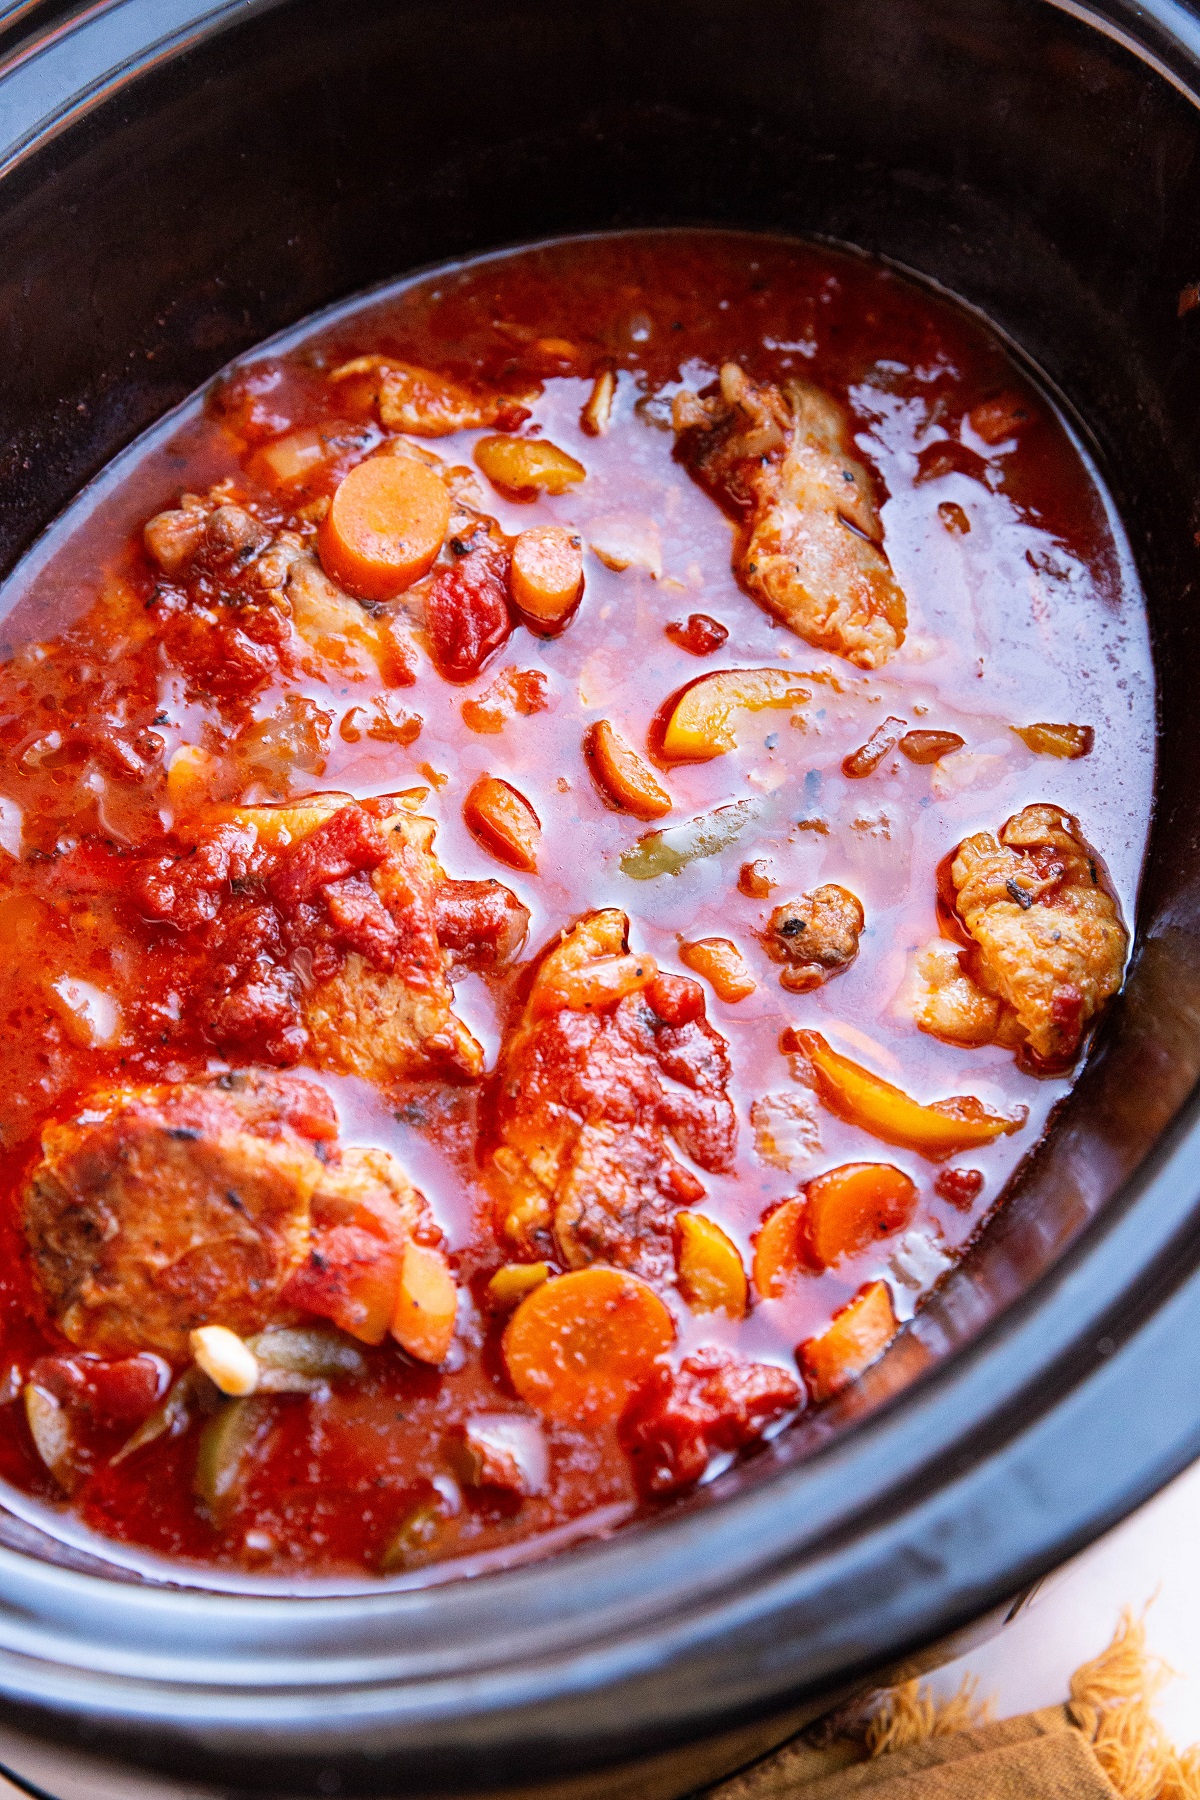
1161, 1195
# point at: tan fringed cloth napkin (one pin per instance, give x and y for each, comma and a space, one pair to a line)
1103, 1744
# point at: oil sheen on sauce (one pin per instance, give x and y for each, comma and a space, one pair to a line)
1023, 606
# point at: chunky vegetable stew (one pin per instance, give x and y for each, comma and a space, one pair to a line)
562, 833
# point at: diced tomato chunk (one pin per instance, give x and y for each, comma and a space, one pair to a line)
187, 889
361, 920
467, 611
111, 1393
701, 635
347, 844
677, 999
961, 1187
714, 1401
350, 1276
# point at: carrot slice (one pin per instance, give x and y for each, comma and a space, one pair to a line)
722, 965
622, 776
929, 746
859, 1333
546, 575
598, 407
711, 1275
504, 822
1069, 741
853, 1206
385, 526
523, 467
581, 1344
426, 1304
936, 1130
779, 1247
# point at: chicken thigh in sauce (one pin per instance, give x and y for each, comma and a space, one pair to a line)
781, 460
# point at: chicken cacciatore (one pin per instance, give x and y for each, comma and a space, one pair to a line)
563, 831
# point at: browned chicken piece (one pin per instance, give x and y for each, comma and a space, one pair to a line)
815, 937
609, 1062
427, 404
367, 898
1049, 943
365, 1022
337, 629
364, 1182
949, 1004
232, 538
328, 931
225, 554
172, 538
160, 1209
209, 533
811, 545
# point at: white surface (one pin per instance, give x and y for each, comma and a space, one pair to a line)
1154, 1556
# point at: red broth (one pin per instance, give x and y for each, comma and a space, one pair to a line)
1023, 607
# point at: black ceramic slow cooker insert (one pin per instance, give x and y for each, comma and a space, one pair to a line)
178, 181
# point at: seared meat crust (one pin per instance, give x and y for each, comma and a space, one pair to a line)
587, 1100
330, 947
815, 937
157, 1210
361, 899
429, 404
1049, 941
811, 550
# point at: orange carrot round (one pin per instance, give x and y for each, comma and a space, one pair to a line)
711, 1275
581, 1344
384, 527
850, 1207
546, 575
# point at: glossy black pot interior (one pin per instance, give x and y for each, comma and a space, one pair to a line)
183, 180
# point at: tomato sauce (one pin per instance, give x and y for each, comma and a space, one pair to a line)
1023, 607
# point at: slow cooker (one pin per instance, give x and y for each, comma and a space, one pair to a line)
178, 180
